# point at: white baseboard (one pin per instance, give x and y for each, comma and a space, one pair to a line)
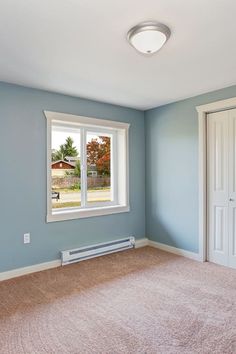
48, 265
56, 263
141, 242
30, 269
171, 249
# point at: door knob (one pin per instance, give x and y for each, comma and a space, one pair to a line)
231, 199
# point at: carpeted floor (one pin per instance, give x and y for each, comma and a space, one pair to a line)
139, 301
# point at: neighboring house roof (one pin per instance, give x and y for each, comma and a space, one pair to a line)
70, 165
72, 158
64, 164
92, 167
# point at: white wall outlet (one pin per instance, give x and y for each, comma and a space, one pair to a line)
27, 238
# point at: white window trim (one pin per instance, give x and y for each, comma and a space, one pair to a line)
96, 209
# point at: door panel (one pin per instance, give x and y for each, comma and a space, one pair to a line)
232, 188
232, 218
218, 153
232, 152
220, 220
218, 241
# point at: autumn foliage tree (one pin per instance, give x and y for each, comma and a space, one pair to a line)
99, 154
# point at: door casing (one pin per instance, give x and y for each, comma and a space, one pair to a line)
203, 110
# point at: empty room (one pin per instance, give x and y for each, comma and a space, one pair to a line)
118, 177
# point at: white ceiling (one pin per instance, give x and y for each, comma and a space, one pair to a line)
79, 47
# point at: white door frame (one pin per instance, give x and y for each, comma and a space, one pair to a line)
202, 167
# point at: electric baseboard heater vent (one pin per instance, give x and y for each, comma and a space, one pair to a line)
87, 252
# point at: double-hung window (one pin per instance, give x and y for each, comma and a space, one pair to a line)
87, 167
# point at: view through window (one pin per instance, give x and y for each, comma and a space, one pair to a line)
66, 164
65, 167
98, 168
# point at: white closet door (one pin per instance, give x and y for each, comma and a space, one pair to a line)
232, 188
218, 187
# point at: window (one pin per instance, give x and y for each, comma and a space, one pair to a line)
87, 167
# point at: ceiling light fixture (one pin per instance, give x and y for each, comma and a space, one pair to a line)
148, 37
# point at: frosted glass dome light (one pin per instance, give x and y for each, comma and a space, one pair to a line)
148, 37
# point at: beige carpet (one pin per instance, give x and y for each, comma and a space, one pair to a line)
141, 301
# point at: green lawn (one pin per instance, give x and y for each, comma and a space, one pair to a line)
58, 205
70, 190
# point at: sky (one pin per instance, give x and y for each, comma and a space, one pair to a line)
59, 138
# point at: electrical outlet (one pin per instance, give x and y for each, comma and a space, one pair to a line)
27, 238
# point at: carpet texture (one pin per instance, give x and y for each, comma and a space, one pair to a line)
137, 301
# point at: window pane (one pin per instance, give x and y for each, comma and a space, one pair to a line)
98, 167
65, 167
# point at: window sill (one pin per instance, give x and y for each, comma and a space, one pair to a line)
86, 213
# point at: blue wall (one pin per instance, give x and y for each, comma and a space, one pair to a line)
23, 178
172, 170
171, 175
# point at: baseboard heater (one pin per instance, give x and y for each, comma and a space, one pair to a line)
87, 252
